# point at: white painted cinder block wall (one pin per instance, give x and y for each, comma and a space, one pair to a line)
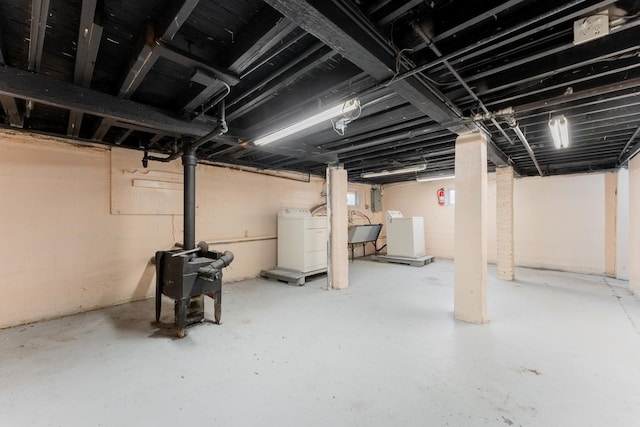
559, 221
622, 226
72, 241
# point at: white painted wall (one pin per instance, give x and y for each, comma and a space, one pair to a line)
622, 230
634, 224
559, 221
420, 199
63, 251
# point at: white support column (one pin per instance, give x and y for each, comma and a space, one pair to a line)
634, 225
338, 268
504, 220
470, 253
610, 222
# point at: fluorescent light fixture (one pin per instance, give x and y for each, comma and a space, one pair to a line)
559, 127
427, 178
336, 111
409, 169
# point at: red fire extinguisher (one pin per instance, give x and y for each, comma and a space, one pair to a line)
441, 197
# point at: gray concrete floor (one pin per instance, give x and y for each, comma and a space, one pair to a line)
562, 349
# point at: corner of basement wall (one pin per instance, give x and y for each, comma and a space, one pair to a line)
554, 219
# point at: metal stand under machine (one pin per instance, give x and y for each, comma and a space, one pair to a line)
187, 274
405, 241
302, 247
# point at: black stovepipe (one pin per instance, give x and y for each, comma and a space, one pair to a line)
189, 162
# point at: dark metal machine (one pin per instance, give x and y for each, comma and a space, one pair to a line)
187, 274
186, 277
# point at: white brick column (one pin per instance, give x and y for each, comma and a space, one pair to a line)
338, 265
610, 222
634, 225
470, 253
504, 223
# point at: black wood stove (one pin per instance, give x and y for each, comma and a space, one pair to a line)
186, 278
187, 274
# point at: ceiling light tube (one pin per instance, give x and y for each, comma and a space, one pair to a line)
559, 127
427, 178
409, 169
336, 111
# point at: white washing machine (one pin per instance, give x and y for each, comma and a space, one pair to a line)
302, 240
405, 235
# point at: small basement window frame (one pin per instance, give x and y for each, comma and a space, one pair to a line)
353, 198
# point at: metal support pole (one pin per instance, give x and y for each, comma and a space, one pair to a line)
189, 161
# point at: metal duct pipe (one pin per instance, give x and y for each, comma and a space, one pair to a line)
189, 162
223, 261
464, 84
523, 138
213, 270
491, 39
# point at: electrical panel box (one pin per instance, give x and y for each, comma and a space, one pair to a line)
376, 199
405, 235
591, 27
302, 240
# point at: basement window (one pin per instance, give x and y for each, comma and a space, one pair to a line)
353, 198
451, 196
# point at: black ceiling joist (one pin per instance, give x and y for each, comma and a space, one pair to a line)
350, 34
610, 48
43, 90
146, 56
306, 64
266, 30
39, 15
14, 116
89, 36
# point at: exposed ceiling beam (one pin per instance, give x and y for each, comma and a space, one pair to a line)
102, 128
342, 27
177, 55
308, 64
489, 14
378, 5
267, 29
633, 84
25, 85
43, 90
609, 48
176, 13
609, 75
210, 87
11, 110
123, 137
9, 104
300, 101
627, 153
89, 36
399, 12
142, 63
274, 53
1, 48
425, 145
505, 37
146, 55
39, 15
311, 51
